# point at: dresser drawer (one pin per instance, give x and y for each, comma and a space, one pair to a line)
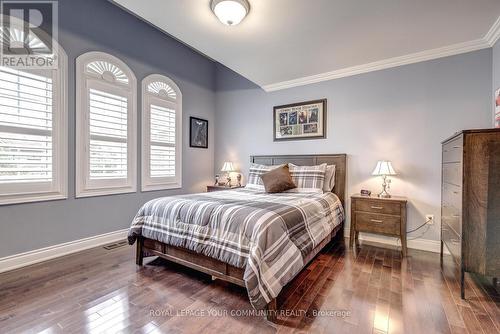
453, 151
452, 173
377, 223
374, 206
452, 195
453, 217
452, 241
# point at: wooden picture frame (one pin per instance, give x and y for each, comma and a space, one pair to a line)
297, 121
198, 132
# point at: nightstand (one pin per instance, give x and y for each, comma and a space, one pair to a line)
385, 216
219, 188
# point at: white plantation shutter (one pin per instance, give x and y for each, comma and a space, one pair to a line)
106, 124
161, 134
32, 134
162, 138
25, 127
108, 135
33, 129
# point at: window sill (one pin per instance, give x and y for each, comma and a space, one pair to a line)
164, 186
104, 192
30, 198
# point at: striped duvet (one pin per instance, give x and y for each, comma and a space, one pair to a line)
268, 235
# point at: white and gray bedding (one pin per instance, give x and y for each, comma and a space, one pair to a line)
269, 235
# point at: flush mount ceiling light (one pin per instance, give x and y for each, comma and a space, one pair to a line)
230, 12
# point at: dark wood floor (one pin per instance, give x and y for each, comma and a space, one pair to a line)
103, 291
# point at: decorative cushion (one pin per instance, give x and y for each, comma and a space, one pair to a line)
329, 178
255, 171
308, 178
277, 180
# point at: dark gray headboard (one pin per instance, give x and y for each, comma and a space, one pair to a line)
339, 160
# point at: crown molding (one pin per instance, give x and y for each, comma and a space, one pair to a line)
417, 57
494, 33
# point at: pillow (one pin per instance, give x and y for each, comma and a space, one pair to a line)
308, 178
255, 171
329, 178
278, 180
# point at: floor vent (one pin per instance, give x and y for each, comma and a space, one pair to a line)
115, 245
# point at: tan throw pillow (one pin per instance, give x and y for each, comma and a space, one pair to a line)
277, 180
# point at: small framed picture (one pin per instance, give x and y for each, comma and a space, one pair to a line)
198, 132
497, 109
305, 120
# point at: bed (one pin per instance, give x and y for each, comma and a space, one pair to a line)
246, 237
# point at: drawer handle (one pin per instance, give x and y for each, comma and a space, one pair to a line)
455, 241
457, 146
376, 221
456, 192
377, 207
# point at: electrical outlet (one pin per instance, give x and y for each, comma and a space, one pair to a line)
429, 219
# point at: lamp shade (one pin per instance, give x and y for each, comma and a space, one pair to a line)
384, 168
228, 167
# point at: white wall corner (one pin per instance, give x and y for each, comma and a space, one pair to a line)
43, 254
493, 34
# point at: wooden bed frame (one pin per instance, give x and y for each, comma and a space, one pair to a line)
226, 272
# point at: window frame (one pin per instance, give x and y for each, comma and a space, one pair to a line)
86, 187
160, 183
26, 192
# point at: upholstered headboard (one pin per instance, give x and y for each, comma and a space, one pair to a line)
339, 160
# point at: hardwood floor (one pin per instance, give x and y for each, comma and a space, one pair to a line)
373, 291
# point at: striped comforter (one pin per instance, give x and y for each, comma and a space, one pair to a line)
268, 235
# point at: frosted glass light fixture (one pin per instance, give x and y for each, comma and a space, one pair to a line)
384, 168
230, 12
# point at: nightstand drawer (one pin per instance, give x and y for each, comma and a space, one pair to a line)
377, 223
384, 207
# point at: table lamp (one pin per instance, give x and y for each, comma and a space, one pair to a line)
384, 168
228, 168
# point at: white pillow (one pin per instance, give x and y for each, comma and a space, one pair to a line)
329, 178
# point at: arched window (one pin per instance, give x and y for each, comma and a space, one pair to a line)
105, 126
33, 128
161, 134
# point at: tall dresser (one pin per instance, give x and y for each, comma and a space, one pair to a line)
470, 203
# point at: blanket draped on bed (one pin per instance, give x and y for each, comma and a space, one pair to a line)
268, 235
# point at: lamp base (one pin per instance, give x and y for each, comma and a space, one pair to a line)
384, 195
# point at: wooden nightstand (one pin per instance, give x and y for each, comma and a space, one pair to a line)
219, 188
385, 216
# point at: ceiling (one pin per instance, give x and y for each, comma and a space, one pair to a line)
286, 43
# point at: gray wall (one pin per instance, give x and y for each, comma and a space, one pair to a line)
97, 25
401, 114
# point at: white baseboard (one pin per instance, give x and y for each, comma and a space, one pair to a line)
433, 246
43, 254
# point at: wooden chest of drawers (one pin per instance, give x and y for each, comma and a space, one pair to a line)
385, 216
470, 201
